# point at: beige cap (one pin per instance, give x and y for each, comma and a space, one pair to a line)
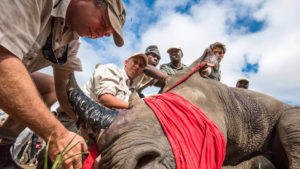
174, 47
117, 17
141, 55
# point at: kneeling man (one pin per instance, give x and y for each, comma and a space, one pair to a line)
111, 86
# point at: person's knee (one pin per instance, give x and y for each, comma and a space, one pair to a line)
13, 125
43, 82
46, 87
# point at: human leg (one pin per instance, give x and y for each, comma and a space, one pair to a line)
45, 85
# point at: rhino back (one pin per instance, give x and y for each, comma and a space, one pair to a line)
246, 118
250, 118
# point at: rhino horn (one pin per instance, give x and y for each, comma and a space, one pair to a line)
89, 113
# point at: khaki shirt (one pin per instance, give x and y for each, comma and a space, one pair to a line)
108, 79
25, 26
170, 69
215, 73
143, 81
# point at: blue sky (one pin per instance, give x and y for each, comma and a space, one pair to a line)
262, 39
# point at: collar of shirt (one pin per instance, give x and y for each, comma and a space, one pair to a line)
131, 85
174, 67
61, 37
127, 80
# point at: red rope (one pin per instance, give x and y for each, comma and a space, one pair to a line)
89, 161
187, 76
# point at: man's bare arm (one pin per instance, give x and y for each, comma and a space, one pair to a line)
60, 78
20, 99
152, 71
110, 101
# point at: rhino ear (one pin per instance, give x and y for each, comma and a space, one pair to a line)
200, 59
134, 99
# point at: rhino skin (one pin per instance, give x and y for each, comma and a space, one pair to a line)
259, 129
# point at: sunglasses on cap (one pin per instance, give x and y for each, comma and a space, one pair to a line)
48, 52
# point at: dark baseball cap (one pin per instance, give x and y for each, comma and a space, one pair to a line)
152, 49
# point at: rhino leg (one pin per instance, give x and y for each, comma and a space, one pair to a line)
257, 162
288, 130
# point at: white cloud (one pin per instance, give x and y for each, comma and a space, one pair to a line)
275, 48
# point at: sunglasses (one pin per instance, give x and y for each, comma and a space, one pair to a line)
48, 52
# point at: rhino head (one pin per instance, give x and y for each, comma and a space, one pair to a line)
135, 140
125, 138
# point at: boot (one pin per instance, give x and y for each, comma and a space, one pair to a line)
7, 139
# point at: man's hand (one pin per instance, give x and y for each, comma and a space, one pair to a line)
59, 143
134, 99
152, 96
212, 64
206, 72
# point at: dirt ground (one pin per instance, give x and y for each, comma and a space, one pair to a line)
28, 167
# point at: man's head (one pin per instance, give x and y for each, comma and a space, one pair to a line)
175, 53
97, 18
135, 64
153, 55
219, 50
242, 83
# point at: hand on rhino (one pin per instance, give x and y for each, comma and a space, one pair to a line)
134, 99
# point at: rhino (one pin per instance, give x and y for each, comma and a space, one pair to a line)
260, 131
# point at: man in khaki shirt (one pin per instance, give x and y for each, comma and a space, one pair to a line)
35, 34
111, 86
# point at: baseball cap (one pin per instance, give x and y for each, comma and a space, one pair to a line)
141, 55
117, 17
243, 79
174, 47
152, 49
